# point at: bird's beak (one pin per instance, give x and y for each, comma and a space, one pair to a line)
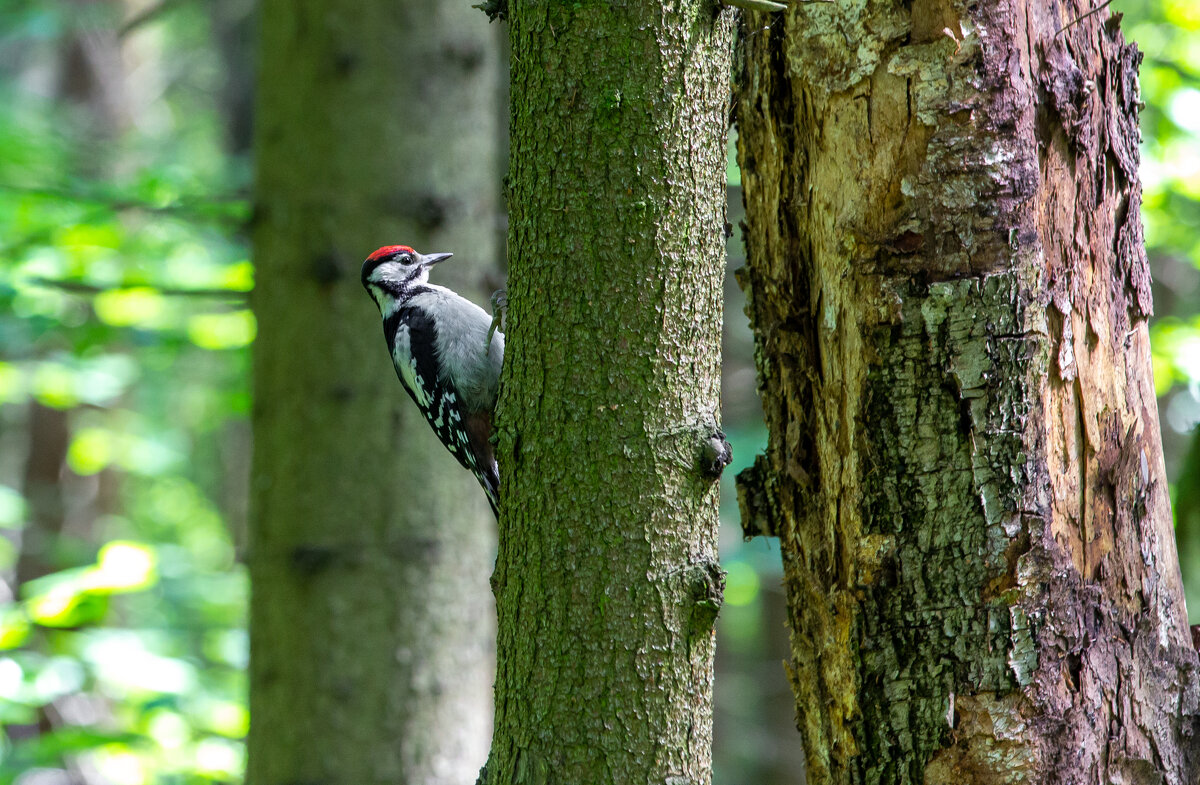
431, 259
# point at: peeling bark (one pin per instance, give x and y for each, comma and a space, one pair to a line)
949, 293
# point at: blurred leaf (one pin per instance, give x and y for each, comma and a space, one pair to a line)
741, 584
238, 277
88, 235
127, 666
90, 451
12, 508
222, 330
49, 748
54, 386
103, 246
121, 765
63, 606
125, 307
1184, 14
8, 553
1176, 350
14, 629
123, 566
12, 388
73, 597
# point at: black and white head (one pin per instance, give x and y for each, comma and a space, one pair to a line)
392, 270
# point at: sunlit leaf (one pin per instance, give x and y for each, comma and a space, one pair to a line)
1184, 109
118, 764
127, 307
8, 553
91, 450
741, 584
12, 679
12, 384
169, 729
69, 740
238, 277
65, 605
88, 236
14, 630
1184, 14
1176, 351
151, 454
219, 757
125, 664
54, 386
214, 331
58, 676
12, 508
100, 379
229, 719
70, 598
123, 566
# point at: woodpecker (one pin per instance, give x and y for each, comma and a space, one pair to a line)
445, 355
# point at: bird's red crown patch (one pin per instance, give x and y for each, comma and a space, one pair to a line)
389, 250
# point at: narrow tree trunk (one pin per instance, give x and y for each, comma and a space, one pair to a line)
371, 628
949, 295
607, 582
49, 439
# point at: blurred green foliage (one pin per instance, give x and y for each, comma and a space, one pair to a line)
124, 329
124, 324
1168, 34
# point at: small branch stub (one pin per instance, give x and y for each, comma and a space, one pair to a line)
706, 585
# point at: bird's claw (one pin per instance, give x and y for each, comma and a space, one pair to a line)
499, 314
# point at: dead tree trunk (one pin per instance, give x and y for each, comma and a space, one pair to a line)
949, 294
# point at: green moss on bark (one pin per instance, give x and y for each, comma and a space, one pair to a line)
611, 387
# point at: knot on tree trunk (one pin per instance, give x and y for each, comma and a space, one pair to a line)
706, 587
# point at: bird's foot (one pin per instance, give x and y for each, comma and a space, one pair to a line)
499, 314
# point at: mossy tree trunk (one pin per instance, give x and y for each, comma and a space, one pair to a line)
607, 582
949, 295
371, 621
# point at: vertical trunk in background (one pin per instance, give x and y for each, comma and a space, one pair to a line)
949, 295
607, 583
371, 625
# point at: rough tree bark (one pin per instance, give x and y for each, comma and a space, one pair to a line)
371, 624
949, 295
607, 583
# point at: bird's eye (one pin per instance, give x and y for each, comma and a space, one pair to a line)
406, 259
